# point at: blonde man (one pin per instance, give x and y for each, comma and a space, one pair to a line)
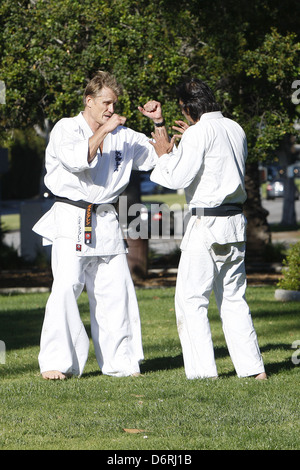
89, 160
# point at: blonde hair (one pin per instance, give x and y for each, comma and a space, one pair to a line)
100, 80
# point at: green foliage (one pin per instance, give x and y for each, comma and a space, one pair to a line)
291, 275
271, 68
247, 51
26, 157
47, 65
8, 256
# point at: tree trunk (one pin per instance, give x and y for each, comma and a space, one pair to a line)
137, 248
289, 212
287, 154
258, 230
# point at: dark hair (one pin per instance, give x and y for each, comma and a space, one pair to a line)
197, 98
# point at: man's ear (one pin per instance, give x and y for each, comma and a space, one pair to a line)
88, 100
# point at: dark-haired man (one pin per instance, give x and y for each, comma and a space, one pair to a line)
210, 164
89, 160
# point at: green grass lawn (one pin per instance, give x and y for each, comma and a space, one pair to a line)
10, 222
171, 412
171, 199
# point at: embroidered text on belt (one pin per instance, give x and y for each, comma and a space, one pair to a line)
89, 208
224, 210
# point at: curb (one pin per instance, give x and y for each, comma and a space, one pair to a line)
287, 295
23, 290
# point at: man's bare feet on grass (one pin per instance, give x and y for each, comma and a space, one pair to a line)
54, 375
262, 376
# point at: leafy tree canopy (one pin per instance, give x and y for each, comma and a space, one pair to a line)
247, 51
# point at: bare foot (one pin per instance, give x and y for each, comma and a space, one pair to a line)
53, 375
262, 376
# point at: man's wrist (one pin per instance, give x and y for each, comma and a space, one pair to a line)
159, 123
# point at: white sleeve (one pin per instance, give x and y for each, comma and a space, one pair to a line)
144, 156
178, 169
70, 147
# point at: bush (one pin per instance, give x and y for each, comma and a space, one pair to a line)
9, 258
26, 162
291, 275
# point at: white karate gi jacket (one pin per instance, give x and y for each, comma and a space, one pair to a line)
101, 182
208, 165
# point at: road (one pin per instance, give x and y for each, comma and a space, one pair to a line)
275, 210
274, 207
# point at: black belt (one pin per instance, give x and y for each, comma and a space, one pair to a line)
89, 208
219, 211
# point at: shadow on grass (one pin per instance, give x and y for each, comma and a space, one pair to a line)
273, 368
176, 362
280, 310
162, 363
21, 329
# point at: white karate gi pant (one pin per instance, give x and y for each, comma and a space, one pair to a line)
219, 268
115, 320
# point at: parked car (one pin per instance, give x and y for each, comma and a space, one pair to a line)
275, 189
160, 218
149, 187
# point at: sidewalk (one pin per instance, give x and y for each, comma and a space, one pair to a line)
286, 237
